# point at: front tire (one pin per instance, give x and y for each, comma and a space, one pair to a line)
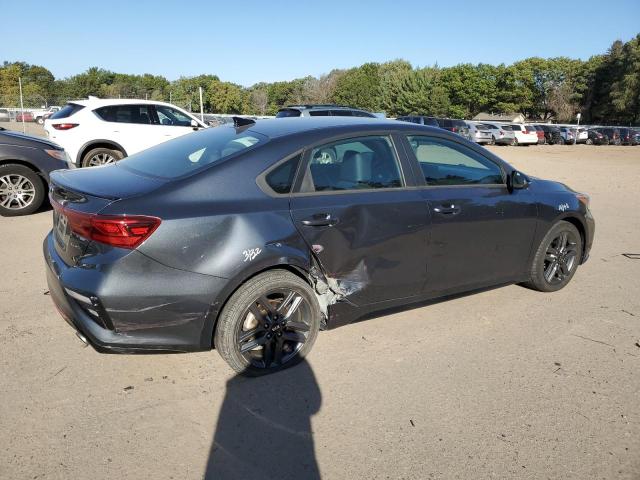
22, 191
270, 323
101, 156
556, 259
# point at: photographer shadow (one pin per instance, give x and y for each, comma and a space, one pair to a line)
264, 427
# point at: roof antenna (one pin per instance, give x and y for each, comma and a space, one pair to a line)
242, 122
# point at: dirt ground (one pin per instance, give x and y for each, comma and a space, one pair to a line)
508, 383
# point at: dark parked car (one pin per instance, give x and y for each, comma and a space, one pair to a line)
595, 137
552, 135
253, 238
613, 135
324, 110
454, 125
420, 120
627, 136
25, 164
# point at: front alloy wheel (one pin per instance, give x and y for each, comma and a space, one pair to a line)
268, 324
22, 191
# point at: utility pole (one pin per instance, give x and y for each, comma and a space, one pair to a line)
24, 130
201, 107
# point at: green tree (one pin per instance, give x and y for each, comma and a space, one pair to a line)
360, 87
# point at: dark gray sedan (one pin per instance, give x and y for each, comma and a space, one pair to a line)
25, 164
252, 238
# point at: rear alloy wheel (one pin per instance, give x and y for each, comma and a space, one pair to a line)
589, 141
101, 156
557, 258
270, 323
22, 191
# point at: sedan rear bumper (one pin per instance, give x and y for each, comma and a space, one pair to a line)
171, 314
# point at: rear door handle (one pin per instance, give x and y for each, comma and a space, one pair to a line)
320, 220
447, 210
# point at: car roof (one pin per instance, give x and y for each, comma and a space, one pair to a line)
279, 127
101, 102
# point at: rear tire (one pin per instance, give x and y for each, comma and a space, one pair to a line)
589, 141
22, 191
556, 259
270, 323
101, 156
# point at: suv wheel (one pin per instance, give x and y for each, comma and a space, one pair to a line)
101, 156
40, 121
22, 191
557, 258
269, 323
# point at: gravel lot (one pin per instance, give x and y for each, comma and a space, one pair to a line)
508, 383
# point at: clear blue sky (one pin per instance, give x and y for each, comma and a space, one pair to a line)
249, 41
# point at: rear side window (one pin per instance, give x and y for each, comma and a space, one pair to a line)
444, 162
280, 179
319, 113
354, 164
288, 112
139, 114
341, 113
190, 153
66, 111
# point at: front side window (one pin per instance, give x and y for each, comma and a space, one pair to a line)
139, 114
444, 162
354, 164
171, 116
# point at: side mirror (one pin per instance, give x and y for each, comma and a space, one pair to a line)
517, 181
195, 125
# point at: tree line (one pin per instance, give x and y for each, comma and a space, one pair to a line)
605, 89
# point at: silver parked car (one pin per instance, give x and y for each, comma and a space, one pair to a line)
501, 134
4, 115
479, 133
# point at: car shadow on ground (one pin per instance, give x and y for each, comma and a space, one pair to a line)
264, 427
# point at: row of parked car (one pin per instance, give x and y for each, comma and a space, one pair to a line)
497, 133
94, 132
34, 115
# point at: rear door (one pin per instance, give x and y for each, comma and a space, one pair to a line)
480, 233
129, 125
365, 227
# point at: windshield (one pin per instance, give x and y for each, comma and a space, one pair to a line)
192, 152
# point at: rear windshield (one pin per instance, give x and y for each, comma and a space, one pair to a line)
515, 128
459, 123
66, 111
190, 153
288, 112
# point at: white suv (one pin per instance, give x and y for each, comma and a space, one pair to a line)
524, 136
96, 131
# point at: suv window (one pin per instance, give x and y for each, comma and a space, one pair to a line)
444, 162
444, 122
66, 111
319, 113
139, 114
280, 179
288, 112
515, 128
459, 123
190, 153
171, 116
341, 113
354, 164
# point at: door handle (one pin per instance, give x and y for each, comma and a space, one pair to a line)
450, 209
320, 220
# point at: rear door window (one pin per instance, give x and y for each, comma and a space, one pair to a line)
355, 164
341, 113
444, 162
319, 113
138, 114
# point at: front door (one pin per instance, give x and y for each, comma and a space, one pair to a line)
480, 232
366, 229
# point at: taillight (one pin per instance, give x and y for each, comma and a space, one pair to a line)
454, 129
64, 126
126, 231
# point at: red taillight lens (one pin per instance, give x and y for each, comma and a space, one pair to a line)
127, 231
454, 129
64, 126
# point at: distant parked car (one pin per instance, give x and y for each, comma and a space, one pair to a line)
42, 116
96, 132
4, 115
594, 137
500, 134
454, 125
539, 131
582, 135
324, 110
613, 134
568, 135
627, 136
420, 120
552, 134
479, 133
25, 164
636, 137
524, 135
24, 116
